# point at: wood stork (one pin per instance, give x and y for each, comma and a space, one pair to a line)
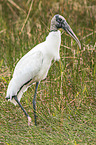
33, 66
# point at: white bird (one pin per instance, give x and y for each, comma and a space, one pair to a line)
33, 66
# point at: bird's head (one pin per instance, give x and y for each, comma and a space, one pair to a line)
58, 22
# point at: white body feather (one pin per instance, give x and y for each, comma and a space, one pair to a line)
34, 65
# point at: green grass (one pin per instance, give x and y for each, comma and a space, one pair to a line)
66, 100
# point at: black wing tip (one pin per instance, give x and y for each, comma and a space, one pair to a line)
7, 98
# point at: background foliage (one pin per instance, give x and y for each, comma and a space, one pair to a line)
66, 99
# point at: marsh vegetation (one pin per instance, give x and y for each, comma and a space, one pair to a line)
66, 104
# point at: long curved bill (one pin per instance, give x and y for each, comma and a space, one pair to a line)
67, 28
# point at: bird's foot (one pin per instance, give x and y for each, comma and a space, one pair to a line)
29, 120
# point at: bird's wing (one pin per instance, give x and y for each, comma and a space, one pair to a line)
28, 66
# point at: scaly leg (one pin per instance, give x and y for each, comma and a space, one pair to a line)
34, 102
29, 118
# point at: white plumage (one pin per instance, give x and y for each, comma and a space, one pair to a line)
34, 65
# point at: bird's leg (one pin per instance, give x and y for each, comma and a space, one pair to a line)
34, 102
29, 118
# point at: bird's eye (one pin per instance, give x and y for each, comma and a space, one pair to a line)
60, 19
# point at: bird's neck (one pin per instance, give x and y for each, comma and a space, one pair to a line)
53, 42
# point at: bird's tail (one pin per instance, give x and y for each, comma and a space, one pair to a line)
19, 95
11, 92
11, 100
